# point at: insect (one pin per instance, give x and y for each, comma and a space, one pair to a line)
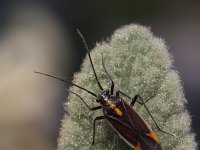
120, 115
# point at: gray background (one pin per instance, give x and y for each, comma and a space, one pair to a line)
45, 32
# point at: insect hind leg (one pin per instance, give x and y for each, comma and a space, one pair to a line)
142, 102
157, 126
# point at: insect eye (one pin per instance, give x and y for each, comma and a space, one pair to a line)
99, 98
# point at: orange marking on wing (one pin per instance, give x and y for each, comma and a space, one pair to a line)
153, 136
138, 147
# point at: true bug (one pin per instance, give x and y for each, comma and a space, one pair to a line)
120, 115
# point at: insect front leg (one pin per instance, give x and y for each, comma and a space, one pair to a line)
91, 109
94, 127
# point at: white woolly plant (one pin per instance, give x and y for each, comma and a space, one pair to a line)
139, 63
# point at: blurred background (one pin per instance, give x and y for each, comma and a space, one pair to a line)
40, 35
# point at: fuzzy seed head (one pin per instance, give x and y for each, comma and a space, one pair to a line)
139, 63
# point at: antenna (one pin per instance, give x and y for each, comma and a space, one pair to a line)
66, 82
113, 83
88, 52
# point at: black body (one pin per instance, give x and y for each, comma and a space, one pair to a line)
128, 124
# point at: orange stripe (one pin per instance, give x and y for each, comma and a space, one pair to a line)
113, 106
138, 147
118, 111
153, 136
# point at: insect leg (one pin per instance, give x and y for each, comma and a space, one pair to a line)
91, 109
113, 83
88, 52
94, 126
134, 99
138, 96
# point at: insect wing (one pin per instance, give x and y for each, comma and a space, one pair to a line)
135, 120
133, 129
126, 132
147, 143
147, 138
